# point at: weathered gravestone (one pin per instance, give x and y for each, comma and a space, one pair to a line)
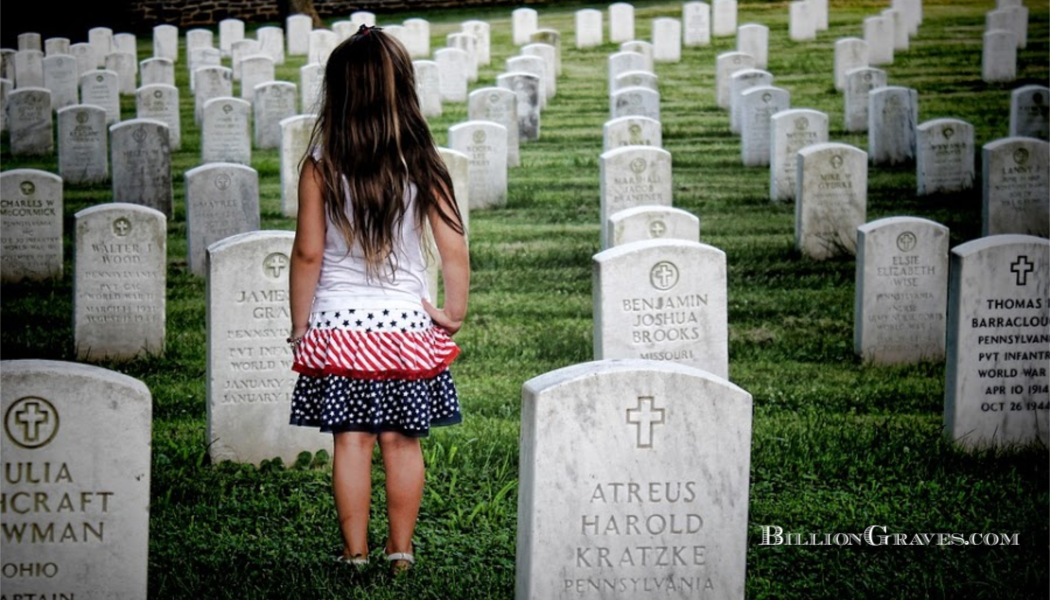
662, 299
631, 131
944, 157
250, 379
633, 176
29, 122
100, 88
621, 22
157, 70
271, 42
101, 40
589, 28
635, 79
140, 156
850, 53
76, 449
859, 84
244, 48
29, 69
417, 37
524, 22
310, 80
526, 87
753, 39
30, 225
56, 45
222, 200
119, 286
696, 24
626, 62
225, 131
483, 32
537, 66
298, 27
453, 65
428, 87
60, 77
551, 38
198, 58
211, 83
1016, 187
485, 143
166, 42
901, 295
273, 102
802, 25
997, 391
791, 131
127, 43
199, 38
256, 69
295, 139
667, 40
125, 66
999, 56
651, 223
831, 199
878, 32
723, 20
726, 64
634, 483
161, 102
29, 41
758, 105
83, 144
498, 105
1030, 112
549, 54
635, 102
893, 116
85, 56
641, 47
740, 82
230, 31
468, 43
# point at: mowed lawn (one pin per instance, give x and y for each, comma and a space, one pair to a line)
838, 445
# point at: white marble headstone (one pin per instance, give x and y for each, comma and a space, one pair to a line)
83, 144
662, 299
635, 102
859, 85
166, 42
753, 39
428, 87
30, 225
726, 64
222, 199
626, 459
467, 42
696, 24
850, 53
295, 140
878, 32
667, 40
643, 223
621, 22
723, 18
589, 28
999, 56
485, 143
790, 131
273, 102
498, 105
740, 82
271, 42
453, 68
100, 88
250, 380
893, 116
226, 131
140, 157
1016, 187
157, 70
757, 107
76, 441
526, 87
126, 67
161, 102
803, 25
256, 70
298, 29
310, 80
56, 45
101, 40
29, 122
230, 32
831, 199
61, 78
633, 176
944, 157
211, 83
997, 392
1030, 112
29, 69
417, 37
119, 288
901, 293
483, 32
631, 131
524, 21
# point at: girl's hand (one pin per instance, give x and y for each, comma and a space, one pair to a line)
441, 319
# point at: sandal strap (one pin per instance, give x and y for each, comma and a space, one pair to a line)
405, 556
356, 560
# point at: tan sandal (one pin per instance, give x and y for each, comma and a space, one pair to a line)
401, 561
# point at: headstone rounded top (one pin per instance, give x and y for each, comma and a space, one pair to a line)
39, 173
296, 119
878, 223
248, 238
124, 206
831, 146
625, 150
595, 369
219, 165
994, 241
1006, 141
58, 368
658, 245
133, 122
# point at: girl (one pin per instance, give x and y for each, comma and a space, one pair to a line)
371, 350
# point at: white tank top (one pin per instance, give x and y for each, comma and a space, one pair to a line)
344, 282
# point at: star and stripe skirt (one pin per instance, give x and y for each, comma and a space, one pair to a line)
374, 370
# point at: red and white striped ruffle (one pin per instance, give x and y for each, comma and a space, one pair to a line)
375, 355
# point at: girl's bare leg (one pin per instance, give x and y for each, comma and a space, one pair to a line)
403, 460
352, 487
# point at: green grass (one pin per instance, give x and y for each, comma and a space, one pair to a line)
838, 445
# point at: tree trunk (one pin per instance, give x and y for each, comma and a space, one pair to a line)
300, 7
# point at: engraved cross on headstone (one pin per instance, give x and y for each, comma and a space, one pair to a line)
121, 226
1022, 268
645, 416
657, 229
31, 418
275, 264
664, 274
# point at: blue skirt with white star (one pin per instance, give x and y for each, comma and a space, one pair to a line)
375, 370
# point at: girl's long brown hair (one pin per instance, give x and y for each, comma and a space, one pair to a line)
374, 137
